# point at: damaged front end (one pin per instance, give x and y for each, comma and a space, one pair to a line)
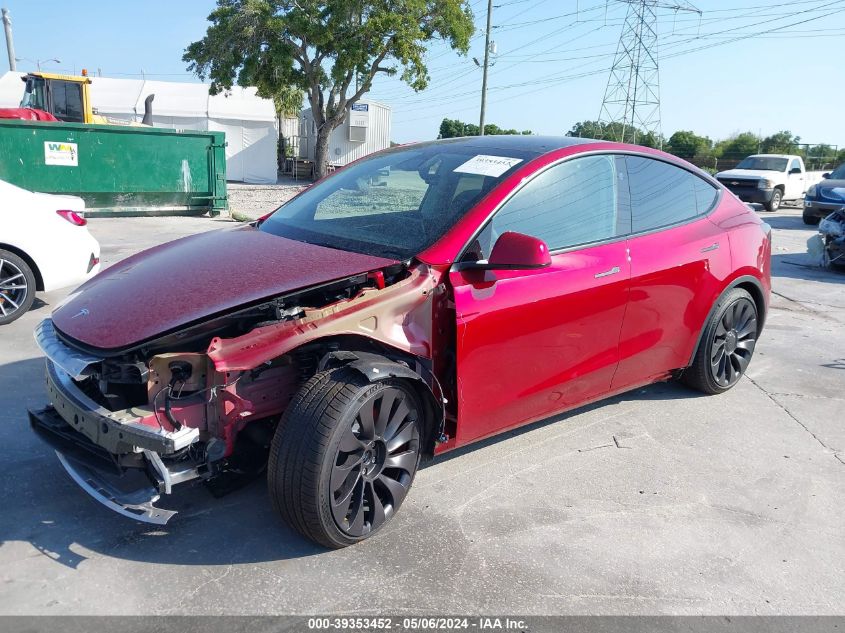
832, 232
202, 403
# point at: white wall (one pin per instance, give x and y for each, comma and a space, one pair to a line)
11, 89
248, 120
342, 151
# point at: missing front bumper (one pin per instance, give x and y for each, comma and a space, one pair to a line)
135, 504
130, 492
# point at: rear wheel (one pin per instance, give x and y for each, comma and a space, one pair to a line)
810, 219
17, 287
345, 456
726, 346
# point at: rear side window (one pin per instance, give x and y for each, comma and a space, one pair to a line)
569, 204
662, 194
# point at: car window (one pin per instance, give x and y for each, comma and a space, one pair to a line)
380, 191
569, 204
67, 101
663, 194
795, 164
395, 203
705, 195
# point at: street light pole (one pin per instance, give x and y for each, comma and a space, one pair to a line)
10, 45
486, 63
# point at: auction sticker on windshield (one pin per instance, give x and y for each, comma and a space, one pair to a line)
485, 165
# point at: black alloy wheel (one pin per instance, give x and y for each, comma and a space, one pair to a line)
733, 342
375, 462
726, 345
344, 455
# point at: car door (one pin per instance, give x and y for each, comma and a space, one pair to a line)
533, 342
678, 261
794, 180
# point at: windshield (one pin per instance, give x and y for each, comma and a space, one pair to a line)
397, 203
33, 96
838, 173
765, 163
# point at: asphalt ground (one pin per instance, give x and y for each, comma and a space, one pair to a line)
660, 501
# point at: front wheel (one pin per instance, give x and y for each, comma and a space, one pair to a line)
774, 203
17, 287
812, 220
344, 456
726, 346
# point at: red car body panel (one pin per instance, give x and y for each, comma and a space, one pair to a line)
169, 286
532, 342
676, 275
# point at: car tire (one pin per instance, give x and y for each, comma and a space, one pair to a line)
812, 220
727, 344
344, 456
774, 203
17, 287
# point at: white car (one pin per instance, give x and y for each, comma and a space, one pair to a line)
44, 245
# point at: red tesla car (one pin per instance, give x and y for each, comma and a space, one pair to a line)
420, 299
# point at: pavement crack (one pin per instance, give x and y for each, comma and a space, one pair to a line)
791, 415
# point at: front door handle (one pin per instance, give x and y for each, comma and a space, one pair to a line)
607, 273
714, 246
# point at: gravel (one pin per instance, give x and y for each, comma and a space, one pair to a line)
253, 201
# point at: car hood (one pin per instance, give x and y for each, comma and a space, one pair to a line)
748, 173
831, 189
170, 286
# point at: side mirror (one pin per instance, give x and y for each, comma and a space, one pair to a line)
515, 251
795, 170
826, 174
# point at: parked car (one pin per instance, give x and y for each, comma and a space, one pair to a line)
420, 299
769, 179
44, 245
827, 196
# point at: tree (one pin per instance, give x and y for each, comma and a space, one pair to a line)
452, 128
780, 143
614, 132
687, 145
288, 101
324, 47
820, 157
737, 147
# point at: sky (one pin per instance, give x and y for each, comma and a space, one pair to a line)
746, 65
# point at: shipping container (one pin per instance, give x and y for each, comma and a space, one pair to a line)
118, 170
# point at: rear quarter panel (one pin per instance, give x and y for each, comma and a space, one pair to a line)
751, 244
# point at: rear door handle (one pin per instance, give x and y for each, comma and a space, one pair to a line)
714, 246
607, 273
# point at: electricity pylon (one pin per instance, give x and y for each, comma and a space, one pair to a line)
631, 104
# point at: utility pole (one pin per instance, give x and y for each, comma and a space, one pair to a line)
10, 45
486, 63
631, 102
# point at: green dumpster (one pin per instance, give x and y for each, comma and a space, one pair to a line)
118, 170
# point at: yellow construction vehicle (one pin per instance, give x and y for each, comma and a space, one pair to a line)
68, 98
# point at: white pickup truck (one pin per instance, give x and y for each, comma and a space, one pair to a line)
769, 179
